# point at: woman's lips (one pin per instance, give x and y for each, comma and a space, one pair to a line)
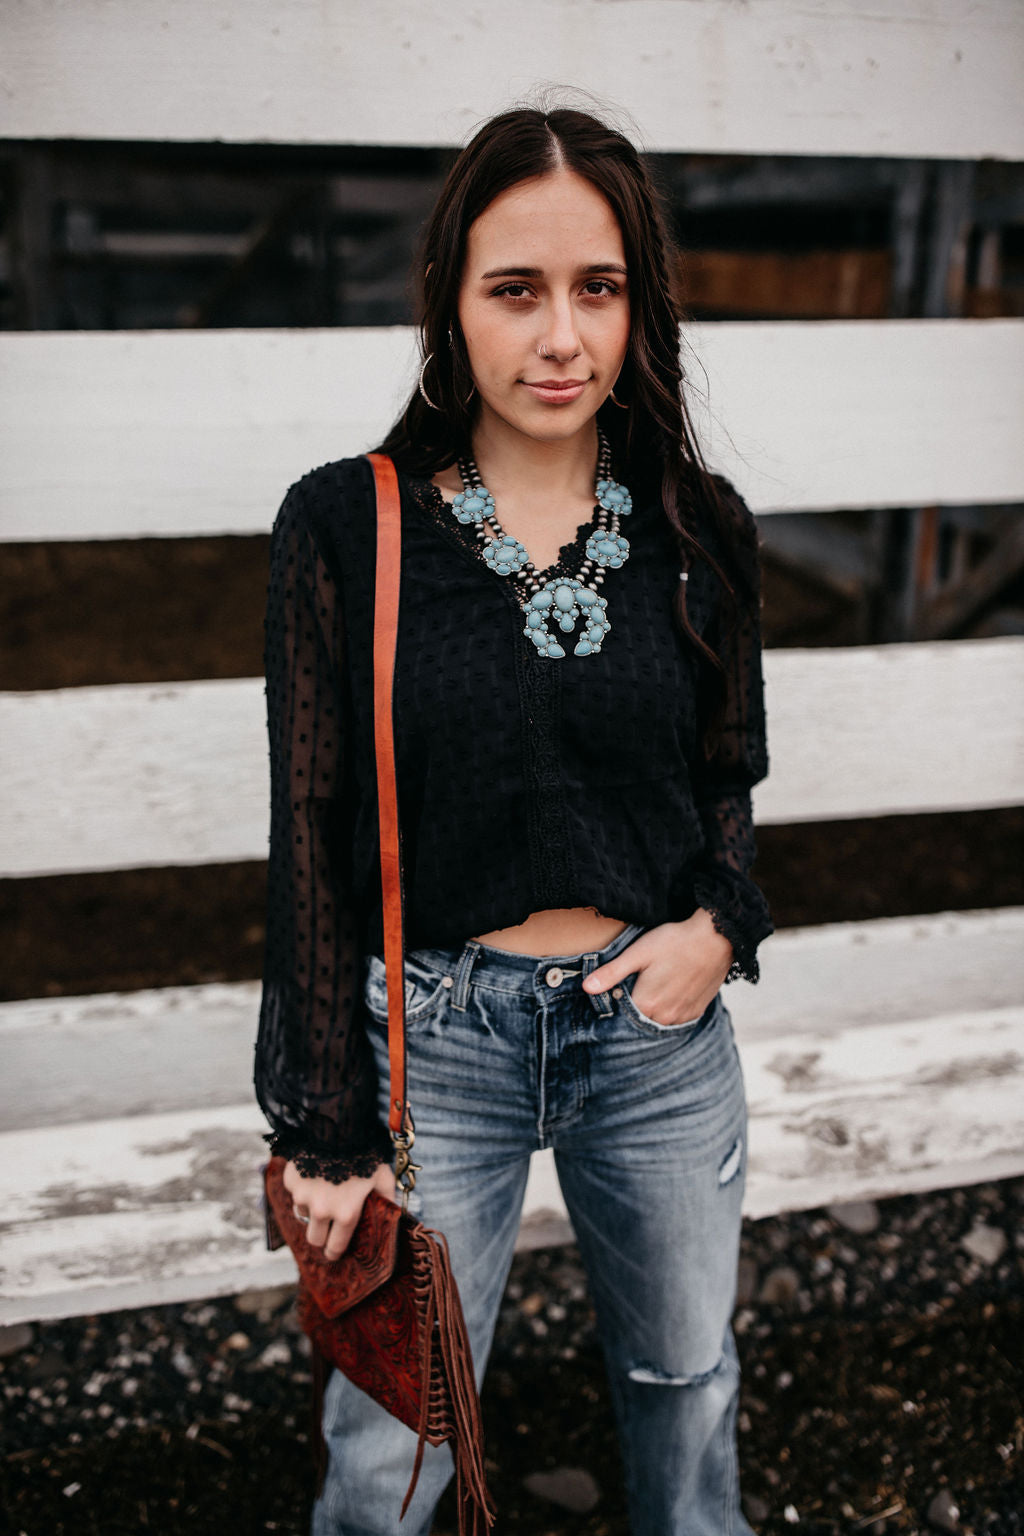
557, 391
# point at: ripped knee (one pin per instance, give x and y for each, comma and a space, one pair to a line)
731, 1163
653, 1376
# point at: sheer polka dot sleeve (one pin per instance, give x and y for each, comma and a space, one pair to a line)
723, 885
314, 1072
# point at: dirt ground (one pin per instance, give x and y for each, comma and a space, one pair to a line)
883, 1381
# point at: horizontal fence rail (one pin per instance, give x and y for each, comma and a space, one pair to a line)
880, 1057
769, 76
111, 1055
125, 435
134, 775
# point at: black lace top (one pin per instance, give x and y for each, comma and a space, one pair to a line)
524, 783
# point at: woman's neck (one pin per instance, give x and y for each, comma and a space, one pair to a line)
521, 467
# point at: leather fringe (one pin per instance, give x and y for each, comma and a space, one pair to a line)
444, 1329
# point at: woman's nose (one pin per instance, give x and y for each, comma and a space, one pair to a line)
559, 337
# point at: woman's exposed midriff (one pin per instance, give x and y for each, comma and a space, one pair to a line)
556, 931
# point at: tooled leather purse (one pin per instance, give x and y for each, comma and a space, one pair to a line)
387, 1312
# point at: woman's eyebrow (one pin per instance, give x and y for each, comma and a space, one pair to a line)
597, 266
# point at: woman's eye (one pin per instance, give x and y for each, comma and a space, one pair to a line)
594, 288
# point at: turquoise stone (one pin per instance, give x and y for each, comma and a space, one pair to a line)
564, 597
566, 622
586, 597
614, 496
554, 649
541, 599
504, 555
534, 618
583, 648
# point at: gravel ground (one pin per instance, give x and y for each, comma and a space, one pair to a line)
883, 1393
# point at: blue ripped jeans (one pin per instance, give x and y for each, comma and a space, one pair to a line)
507, 1054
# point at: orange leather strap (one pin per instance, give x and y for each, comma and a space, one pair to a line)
385, 636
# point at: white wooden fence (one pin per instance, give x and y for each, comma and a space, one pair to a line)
880, 1056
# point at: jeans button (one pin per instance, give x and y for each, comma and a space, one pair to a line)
616, 992
554, 976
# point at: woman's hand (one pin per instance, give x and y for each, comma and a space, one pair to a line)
681, 966
334, 1209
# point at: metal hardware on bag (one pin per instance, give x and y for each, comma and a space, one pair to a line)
405, 1169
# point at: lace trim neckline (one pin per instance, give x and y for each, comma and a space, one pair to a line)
431, 499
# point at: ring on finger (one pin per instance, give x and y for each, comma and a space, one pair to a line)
300, 1216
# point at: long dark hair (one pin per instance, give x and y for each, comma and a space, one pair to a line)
654, 437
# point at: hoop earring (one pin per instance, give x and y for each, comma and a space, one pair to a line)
611, 396
423, 391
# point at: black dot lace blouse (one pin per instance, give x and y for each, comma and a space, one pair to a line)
524, 783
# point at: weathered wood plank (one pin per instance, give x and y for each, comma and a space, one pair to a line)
844, 975
854, 417
814, 78
177, 1048
115, 1054
119, 1213
206, 430
166, 433
128, 776
883, 1109
881, 729
133, 775
165, 1207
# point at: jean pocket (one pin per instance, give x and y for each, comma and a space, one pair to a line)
649, 1026
426, 990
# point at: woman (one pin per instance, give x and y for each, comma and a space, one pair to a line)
579, 720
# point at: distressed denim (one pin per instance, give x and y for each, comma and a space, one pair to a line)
508, 1054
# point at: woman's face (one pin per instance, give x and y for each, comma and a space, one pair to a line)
544, 306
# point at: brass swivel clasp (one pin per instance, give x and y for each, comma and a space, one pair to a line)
405, 1169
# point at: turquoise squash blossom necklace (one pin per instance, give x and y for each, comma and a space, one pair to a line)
561, 600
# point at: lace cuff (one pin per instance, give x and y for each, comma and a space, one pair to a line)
314, 1162
740, 913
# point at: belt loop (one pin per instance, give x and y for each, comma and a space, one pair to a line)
460, 991
601, 1000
